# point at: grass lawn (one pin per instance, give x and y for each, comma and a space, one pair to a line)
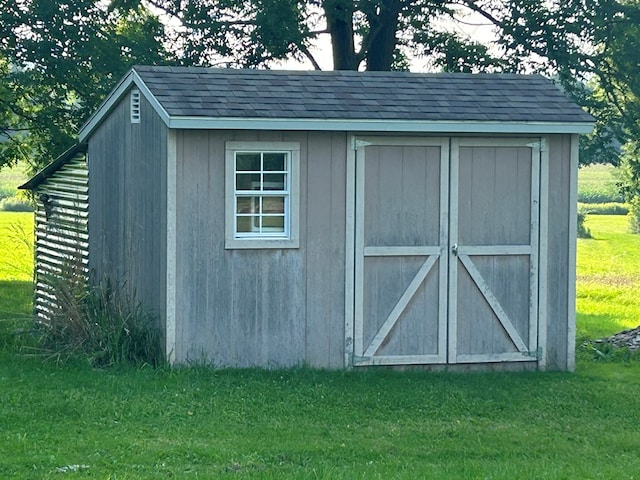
608, 278
73, 422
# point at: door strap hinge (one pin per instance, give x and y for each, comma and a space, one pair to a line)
357, 144
537, 353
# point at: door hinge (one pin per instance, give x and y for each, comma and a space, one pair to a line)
540, 145
357, 144
537, 353
359, 359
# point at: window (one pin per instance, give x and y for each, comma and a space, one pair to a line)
262, 184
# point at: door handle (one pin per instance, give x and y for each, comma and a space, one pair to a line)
454, 249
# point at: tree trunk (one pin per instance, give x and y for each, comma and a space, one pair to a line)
339, 15
382, 44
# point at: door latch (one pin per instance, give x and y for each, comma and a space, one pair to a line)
454, 249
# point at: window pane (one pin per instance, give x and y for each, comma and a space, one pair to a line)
274, 181
272, 204
272, 223
246, 224
248, 162
248, 181
248, 205
274, 162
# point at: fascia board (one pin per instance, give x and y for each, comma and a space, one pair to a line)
410, 126
132, 78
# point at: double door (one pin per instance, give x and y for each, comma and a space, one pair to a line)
446, 250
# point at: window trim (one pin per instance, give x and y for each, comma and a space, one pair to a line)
292, 218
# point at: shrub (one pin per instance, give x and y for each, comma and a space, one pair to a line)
583, 231
611, 208
634, 215
15, 204
102, 323
597, 195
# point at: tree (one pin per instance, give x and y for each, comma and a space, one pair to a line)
370, 34
58, 60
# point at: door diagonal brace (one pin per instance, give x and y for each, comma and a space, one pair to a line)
400, 306
493, 303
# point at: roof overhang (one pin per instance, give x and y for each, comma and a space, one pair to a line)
298, 124
53, 167
377, 126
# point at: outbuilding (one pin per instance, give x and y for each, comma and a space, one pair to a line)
341, 219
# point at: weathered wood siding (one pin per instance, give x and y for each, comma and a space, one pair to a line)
128, 184
273, 307
61, 247
559, 262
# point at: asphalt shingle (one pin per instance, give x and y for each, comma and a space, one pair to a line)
227, 93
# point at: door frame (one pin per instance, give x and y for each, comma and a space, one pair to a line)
357, 352
537, 322
354, 197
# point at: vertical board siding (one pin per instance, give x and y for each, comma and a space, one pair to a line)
268, 307
127, 179
559, 258
62, 245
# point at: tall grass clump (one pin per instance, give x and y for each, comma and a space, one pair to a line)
583, 231
102, 323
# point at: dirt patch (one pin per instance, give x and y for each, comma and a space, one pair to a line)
611, 280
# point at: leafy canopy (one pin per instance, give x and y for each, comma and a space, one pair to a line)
59, 58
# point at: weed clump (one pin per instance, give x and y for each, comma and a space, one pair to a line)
101, 323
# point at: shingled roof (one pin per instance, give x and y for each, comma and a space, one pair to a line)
367, 98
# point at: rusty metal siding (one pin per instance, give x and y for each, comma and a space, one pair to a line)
61, 229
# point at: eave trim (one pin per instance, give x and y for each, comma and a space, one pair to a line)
378, 126
132, 78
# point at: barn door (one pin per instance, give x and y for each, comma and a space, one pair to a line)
400, 311
446, 251
493, 280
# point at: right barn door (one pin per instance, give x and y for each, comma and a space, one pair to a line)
493, 241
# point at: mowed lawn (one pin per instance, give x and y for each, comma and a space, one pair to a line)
71, 421
608, 278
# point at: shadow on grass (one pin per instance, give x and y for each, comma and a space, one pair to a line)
593, 327
15, 310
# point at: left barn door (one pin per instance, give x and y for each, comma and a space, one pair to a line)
401, 257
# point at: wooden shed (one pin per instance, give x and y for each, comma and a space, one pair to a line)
342, 219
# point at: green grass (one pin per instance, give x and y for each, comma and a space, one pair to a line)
608, 278
16, 272
132, 424
145, 424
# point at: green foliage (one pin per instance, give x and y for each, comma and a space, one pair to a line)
102, 323
600, 183
16, 204
612, 208
602, 351
58, 59
583, 232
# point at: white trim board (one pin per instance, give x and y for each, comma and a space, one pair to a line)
172, 172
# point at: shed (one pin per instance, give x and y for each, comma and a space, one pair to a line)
61, 234
342, 219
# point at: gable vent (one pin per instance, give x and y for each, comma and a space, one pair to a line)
135, 106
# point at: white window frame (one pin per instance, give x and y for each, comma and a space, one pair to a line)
290, 238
